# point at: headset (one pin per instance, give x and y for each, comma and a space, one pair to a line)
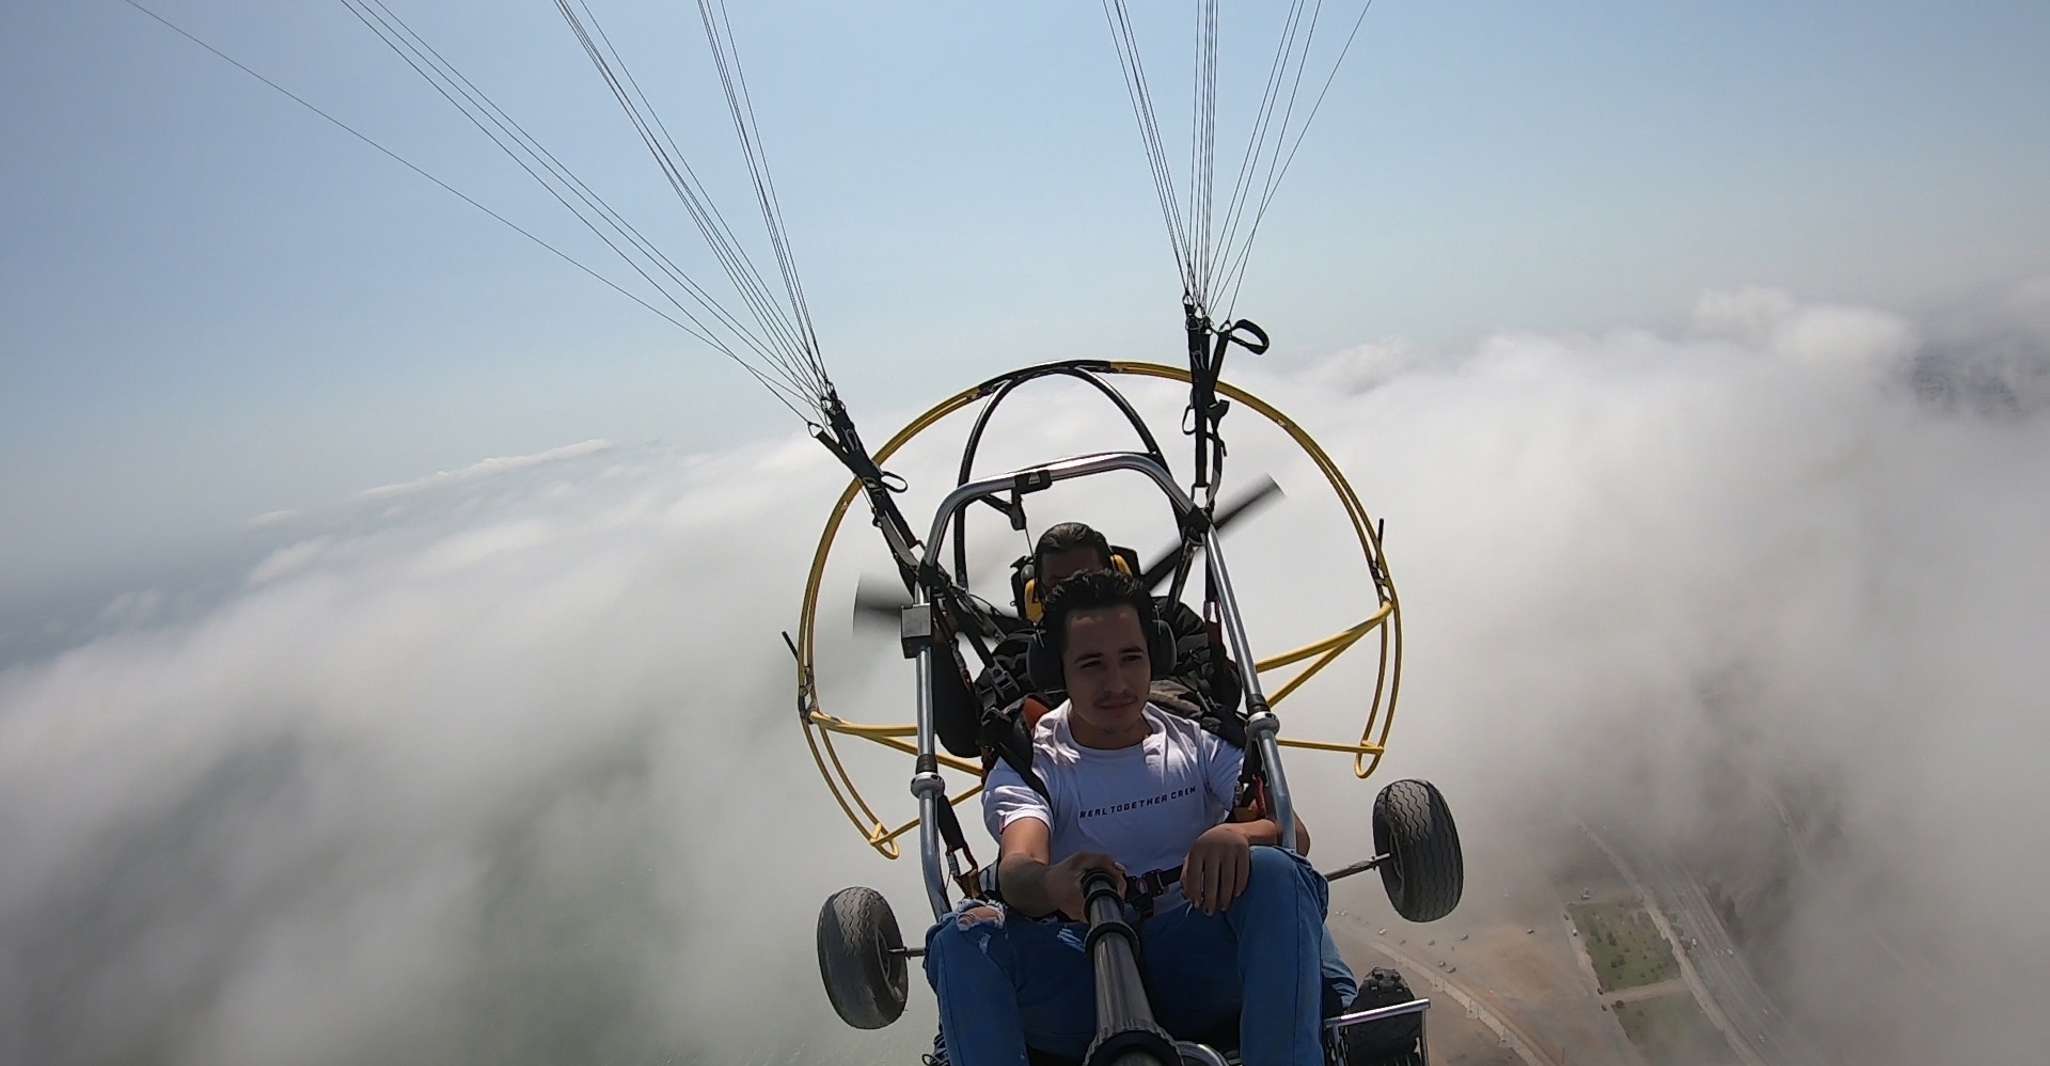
1043, 659
1025, 581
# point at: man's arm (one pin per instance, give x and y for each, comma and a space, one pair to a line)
1262, 830
1220, 862
1034, 885
1224, 762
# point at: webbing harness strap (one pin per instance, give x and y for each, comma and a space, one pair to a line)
966, 880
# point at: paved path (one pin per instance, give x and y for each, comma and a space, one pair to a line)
1724, 986
1650, 991
1476, 1000
1709, 1004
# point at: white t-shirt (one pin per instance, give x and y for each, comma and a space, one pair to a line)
1144, 805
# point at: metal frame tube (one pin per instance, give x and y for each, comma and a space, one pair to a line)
1060, 470
926, 784
1420, 1007
1393, 1010
1086, 372
1262, 726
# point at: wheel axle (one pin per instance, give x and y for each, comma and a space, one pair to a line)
1357, 868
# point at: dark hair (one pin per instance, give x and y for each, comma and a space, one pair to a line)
1066, 537
1095, 590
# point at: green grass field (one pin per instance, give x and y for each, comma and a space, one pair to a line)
1625, 947
1673, 1029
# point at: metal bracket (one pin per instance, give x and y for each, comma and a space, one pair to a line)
1029, 482
915, 629
807, 691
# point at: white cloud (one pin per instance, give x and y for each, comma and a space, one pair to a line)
2029, 304
489, 468
1365, 367
512, 775
288, 559
1847, 337
1855, 339
272, 518
1748, 315
473, 547
132, 608
371, 785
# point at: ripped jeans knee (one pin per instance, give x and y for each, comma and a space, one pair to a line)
972, 913
971, 921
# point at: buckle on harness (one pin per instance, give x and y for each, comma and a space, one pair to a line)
1147, 888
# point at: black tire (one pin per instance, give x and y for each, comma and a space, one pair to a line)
1391, 1040
860, 958
1425, 873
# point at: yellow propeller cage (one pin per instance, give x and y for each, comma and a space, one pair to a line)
1386, 618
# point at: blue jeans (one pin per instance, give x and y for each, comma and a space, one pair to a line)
1008, 982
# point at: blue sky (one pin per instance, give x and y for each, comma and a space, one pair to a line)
212, 304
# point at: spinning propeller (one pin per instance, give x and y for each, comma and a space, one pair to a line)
1245, 503
879, 601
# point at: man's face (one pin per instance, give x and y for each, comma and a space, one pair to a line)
1062, 565
1106, 668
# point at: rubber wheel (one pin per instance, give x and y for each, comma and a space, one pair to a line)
865, 977
1391, 1040
1426, 873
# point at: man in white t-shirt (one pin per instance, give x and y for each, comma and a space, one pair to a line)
1136, 791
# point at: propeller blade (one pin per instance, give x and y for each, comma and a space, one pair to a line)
1255, 497
1248, 502
879, 602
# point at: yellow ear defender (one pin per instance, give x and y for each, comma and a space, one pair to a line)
1035, 610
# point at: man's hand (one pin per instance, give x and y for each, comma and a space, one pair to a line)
1217, 868
1063, 883
1037, 887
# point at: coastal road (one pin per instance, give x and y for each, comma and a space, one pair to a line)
1725, 987
1476, 1000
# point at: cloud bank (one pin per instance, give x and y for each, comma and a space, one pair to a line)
482, 468
509, 772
